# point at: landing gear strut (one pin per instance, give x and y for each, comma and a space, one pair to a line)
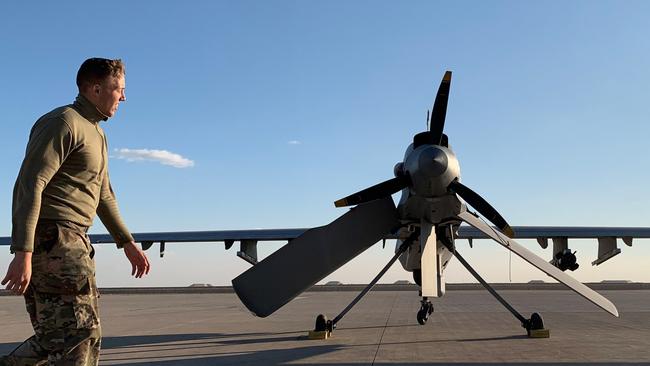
324, 326
534, 326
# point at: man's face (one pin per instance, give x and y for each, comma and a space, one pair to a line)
109, 94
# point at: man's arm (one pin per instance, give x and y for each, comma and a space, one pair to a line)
49, 144
110, 216
139, 262
109, 213
19, 273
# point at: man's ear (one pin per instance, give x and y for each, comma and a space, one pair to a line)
97, 89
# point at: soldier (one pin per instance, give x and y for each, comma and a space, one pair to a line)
63, 182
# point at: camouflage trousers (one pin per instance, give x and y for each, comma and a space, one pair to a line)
61, 300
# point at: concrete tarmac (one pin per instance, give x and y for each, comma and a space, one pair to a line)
467, 328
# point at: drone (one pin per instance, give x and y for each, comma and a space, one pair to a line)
425, 222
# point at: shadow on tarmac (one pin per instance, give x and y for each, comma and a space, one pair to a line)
130, 349
276, 357
195, 339
265, 357
184, 349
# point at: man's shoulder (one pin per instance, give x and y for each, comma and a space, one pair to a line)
58, 121
65, 113
62, 116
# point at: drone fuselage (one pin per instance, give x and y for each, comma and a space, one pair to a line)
430, 168
427, 205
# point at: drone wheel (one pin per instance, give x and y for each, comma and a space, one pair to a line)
536, 322
321, 323
423, 316
424, 312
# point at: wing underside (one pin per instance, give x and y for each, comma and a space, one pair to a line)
465, 232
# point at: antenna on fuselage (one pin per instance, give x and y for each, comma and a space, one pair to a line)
428, 111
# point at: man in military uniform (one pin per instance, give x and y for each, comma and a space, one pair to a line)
63, 182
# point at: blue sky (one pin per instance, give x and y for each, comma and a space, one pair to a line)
280, 108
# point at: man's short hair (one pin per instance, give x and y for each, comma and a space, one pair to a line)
95, 70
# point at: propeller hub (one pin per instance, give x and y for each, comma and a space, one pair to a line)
433, 161
431, 169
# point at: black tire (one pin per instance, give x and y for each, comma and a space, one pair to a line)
321, 323
423, 316
536, 322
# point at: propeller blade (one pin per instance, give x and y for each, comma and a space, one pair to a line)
541, 264
439, 112
380, 190
307, 259
482, 206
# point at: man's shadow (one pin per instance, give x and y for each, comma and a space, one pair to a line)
128, 350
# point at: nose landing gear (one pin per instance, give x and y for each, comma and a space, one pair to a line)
426, 309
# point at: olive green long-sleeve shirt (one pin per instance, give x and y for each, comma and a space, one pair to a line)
64, 175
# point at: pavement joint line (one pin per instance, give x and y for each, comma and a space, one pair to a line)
390, 312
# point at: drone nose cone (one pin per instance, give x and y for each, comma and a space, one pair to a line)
431, 169
433, 161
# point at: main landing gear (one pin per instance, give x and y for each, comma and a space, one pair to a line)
534, 326
325, 327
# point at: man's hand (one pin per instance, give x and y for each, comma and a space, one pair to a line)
19, 273
139, 262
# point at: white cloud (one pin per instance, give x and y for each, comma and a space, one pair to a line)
161, 156
294, 142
